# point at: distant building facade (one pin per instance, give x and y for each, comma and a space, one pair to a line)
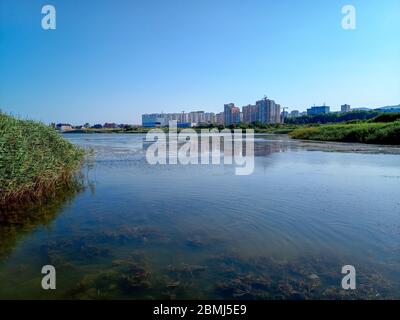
264, 111
220, 118
318, 110
295, 114
231, 114
250, 113
183, 119
268, 111
64, 127
210, 118
184, 124
345, 108
197, 117
154, 120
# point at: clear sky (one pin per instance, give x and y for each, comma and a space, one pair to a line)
114, 60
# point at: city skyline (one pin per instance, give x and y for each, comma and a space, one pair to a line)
289, 113
104, 65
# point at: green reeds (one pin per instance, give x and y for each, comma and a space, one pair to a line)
35, 161
363, 132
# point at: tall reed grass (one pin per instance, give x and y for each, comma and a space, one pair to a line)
364, 132
35, 161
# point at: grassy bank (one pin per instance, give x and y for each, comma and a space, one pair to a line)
363, 132
35, 161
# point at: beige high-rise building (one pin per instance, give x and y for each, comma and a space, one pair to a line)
250, 113
268, 111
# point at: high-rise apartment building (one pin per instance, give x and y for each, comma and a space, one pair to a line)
250, 113
345, 108
231, 114
268, 111
210, 117
294, 114
220, 118
197, 117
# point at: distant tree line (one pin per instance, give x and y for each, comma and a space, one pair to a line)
387, 117
254, 125
353, 116
333, 117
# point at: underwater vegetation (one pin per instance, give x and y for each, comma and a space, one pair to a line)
298, 279
122, 262
20, 221
226, 276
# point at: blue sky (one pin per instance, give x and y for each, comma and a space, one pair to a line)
114, 60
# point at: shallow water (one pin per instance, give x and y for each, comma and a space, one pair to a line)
284, 232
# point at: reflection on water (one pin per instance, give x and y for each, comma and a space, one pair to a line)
283, 232
19, 221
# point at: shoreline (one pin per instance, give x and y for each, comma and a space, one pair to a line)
290, 133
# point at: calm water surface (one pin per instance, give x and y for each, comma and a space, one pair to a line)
145, 232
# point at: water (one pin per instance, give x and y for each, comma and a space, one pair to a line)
284, 232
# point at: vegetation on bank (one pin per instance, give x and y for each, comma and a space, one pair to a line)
386, 117
332, 117
362, 132
35, 161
